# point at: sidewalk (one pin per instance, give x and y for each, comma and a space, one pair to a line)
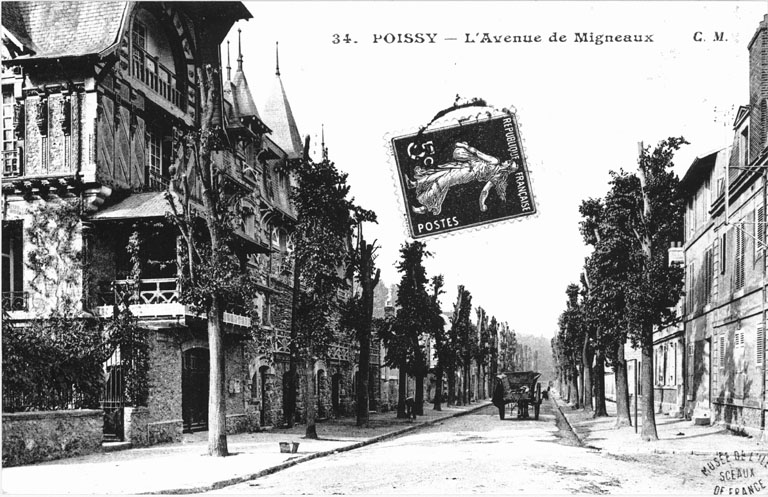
185, 467
676, 435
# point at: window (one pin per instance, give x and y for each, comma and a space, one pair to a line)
12, 257
723, 252
157, 159
268, 181
10, 151
709, 273
721, 351
139, 35
690, 295
738, 276
759, 231
13, 267
744, 147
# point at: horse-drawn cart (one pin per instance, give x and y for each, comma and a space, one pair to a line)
519, 389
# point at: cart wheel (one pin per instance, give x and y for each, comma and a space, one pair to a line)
536, 411
502, 411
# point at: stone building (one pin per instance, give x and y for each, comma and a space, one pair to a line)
725, 266
95, 98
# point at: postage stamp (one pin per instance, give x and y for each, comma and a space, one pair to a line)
466, 174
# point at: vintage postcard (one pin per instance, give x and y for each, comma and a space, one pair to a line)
368, 247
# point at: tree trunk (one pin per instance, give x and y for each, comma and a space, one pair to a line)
466, 385
362, 387
599, 381
623, 417
575, 383
402, 389
586, 368
418, 398
217, 411
451, 387
479, 382
310, 400
438, 389
648, 432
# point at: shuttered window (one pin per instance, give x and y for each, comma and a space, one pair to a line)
690, 297
723, 253
709, 272
721, 351
759, 345
738, 276
759, 231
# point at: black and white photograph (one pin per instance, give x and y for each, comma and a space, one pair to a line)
437, 247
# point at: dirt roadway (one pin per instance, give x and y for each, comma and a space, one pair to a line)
479, 453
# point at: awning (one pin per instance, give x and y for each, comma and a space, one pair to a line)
136, 206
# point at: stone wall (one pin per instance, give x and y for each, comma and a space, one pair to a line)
31, 437
165, 419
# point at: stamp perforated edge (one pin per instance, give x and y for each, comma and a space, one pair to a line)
450, 119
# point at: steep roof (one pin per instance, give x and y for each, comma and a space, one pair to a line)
64, 29
702, 167
237, 94
241, 93
278, 116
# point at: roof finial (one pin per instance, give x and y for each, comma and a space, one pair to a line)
323, 149
239, 52
277, 60
229, 69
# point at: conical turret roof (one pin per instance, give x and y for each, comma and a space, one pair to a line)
279, 117
237, 92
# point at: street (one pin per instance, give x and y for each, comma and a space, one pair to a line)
478, 453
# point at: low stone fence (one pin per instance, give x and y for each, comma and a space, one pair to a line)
30, 437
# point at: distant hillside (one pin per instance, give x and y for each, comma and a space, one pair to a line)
541, 354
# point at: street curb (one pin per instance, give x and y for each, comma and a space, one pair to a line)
643, 452
567, 421
287, 464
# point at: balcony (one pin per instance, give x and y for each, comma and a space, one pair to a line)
157, 297
148, 69
11, 163
15, 301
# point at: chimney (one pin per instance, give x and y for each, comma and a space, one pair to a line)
758, 89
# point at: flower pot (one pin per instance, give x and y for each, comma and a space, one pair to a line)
285, 447
294, 447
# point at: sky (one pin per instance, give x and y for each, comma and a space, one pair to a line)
582, 110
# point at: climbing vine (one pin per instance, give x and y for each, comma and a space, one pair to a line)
56, 359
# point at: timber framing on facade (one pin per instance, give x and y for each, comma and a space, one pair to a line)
94, 105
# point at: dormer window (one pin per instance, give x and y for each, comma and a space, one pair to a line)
744, 147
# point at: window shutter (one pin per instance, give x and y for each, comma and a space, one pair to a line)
760, 345
760, 229
721, 349
723, 247
739, 266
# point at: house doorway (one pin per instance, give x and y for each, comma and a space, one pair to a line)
264, 389
335, 392
194, 389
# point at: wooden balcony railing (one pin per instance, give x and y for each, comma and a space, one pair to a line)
148, 69
145, 297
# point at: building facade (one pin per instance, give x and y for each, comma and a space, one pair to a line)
725, 266
96, 98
